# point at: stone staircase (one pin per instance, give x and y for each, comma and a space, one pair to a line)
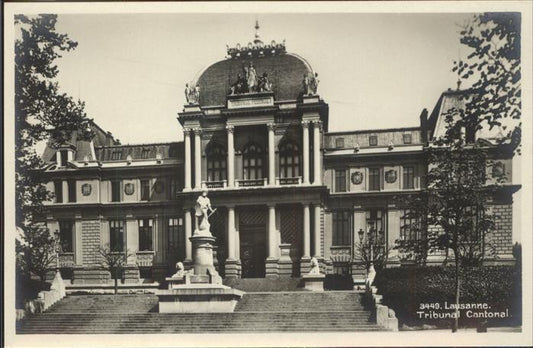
257, 312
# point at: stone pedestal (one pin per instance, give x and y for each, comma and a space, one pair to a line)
285, 262
231, 268
305, 265
271, 268
314, 282
199, 290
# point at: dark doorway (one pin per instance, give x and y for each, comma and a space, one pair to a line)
175, 242
253, 245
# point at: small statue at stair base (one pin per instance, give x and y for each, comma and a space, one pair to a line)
180, 270
315, 268
202, 212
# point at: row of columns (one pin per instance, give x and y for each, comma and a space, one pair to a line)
273, 245
317, 178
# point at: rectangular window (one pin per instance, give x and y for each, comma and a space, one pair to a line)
64, 158
375, 222
409, 226
172, 188
374, 179
176, 238
145, 190
407, 139
115, 191
72, 191
339, 143
66, 231
116, 235
340, 180
145, 234
342, 226
58, 191
408, 177
373, 140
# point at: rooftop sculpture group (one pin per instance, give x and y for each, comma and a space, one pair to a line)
250, 82
310, 83
192, 95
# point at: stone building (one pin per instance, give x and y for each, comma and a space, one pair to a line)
285, 188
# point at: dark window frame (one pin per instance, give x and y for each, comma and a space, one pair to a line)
116, 235
146, 234
253, 162
290, 159
407, 138
408, 181
176, 236
372, 140
340, 180
145, 188
409, 226
72, 193
339, 143
342, 227
63, 155
66, 236
116, 190
58, 191
374, 179
217, 162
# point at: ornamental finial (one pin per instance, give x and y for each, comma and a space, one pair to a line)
257, 40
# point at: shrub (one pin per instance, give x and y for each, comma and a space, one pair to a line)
404, 289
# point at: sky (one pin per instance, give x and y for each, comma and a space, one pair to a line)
375, 70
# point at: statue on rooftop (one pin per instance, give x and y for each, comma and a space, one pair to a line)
264, 84
310, 83
251, 78
192, 95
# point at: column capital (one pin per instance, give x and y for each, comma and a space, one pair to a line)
317, 124
187, 131
230, 128
305, 124
271, 126
197, 131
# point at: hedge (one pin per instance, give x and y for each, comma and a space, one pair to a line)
404, 289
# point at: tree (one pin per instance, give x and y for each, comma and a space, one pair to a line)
42, 113
114, 261
493, 67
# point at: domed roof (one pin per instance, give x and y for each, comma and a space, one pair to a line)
285, 72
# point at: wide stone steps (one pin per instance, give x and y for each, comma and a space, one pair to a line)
256, 312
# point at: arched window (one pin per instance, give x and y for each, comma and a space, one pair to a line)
216, 163
253, 162
289, 160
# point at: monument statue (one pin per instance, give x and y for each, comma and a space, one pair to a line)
251, 78
202, 212
315, 268
314, 83
264, 84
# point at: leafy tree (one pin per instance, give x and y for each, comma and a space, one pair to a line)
493, 68
114, 261
42, 113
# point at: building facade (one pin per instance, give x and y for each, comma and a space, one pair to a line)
285, 189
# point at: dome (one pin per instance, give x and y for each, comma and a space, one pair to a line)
285, 72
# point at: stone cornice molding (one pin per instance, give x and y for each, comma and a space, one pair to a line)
230, 128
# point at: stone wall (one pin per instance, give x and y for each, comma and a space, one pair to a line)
90, 230
502, 237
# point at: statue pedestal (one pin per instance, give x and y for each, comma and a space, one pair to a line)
314, 282
201, 291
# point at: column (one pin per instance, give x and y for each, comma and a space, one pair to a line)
231, 264
305, 126
188, 234
316, 233
197, 159
317, 128
271, 155
271, 263
307, 233
187, 141
231, 156
230, 239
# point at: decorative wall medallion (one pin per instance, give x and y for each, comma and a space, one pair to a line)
86, 189
498, 169
158, 187
391, 176
129, 188
357, 178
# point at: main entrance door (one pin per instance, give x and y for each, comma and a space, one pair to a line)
253, 244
